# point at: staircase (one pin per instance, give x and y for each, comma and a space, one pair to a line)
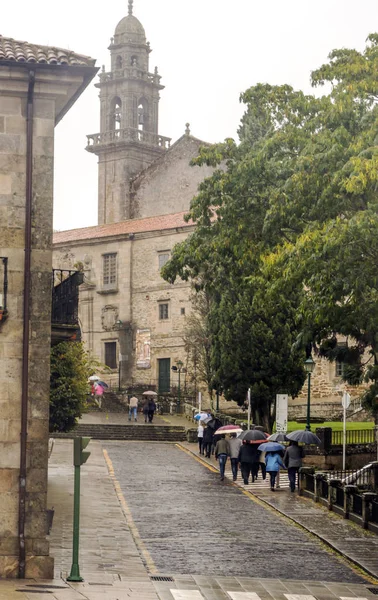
147, 433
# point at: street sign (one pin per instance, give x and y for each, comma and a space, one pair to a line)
345, 401
281, 413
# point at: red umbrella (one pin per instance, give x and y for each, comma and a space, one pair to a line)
228, 429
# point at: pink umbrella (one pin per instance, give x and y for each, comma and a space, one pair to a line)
228, 429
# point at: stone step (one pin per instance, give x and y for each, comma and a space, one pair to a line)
127, 432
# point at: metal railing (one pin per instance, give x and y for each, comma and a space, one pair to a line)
354, 436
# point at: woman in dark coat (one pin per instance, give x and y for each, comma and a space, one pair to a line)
249, 461
151, 409
145, 410
208, 435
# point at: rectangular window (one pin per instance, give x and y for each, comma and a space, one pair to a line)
339, 368
163, 259
163, 311
183, 311
109, 270
111, 354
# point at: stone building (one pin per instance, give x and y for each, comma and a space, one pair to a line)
131, 319
38, 85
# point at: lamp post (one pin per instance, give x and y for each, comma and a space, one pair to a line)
309, 366
179, 369
118, 326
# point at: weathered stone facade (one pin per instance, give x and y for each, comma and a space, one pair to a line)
131, 306
48, 91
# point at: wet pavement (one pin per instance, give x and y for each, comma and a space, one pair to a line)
192, 523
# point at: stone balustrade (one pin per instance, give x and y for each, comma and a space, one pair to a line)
127, 135
130, 73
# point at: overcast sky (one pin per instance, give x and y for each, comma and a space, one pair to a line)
207, 51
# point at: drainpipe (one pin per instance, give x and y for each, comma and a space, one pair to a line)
26, 316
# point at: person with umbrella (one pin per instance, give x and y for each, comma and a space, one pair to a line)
273, 462
234, 445
145, 409
208, 435
222, 451
151, 409
249, 460
200, 436
293, 462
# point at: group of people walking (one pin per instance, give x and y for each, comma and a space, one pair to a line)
246, 455
148, 409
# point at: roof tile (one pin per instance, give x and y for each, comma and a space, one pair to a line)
147, 224
23, 52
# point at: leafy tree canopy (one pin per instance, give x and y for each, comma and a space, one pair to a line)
273, 221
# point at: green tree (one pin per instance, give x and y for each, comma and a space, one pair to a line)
70, 368
304, 164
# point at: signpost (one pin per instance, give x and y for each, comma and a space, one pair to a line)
80, 457
199, 402
345, 401
281, 412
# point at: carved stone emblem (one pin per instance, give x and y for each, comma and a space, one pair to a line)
109, 316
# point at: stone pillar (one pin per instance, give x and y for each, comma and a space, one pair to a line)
367, 498
332, 485
349, 490
54, 89
374, 476
325, 436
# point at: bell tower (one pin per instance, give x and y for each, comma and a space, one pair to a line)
128, 141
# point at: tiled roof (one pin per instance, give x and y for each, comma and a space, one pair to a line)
159, 223
23, 52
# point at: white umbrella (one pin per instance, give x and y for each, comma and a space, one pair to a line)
149, 393
93, 378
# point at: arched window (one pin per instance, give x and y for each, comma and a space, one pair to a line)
116, 114
142, 114
119, 62
134, 61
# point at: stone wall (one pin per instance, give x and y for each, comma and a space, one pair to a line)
55, 90
12, 210
134, 302
170, 183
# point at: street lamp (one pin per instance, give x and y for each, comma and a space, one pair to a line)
179, 369
309, 366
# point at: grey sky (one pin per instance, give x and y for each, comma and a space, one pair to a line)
207, 51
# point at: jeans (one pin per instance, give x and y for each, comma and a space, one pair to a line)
263, 470
132, 410
150, 415
292, 473
234, 467
222, 463
273, 475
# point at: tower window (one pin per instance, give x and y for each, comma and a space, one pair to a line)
142, 114
119, 62
134, 61
116, 114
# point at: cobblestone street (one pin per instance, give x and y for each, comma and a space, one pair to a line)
191, 522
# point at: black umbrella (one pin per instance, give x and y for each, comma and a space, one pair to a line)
277, 437
214, 424
304, 436
253, 436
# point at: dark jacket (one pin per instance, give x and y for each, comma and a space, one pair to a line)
293, 457
222, 447
248, 453
145, 406
151, 406
208, 435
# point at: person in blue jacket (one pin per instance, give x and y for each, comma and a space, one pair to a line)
273, 463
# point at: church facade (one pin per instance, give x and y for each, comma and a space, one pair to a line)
131, 319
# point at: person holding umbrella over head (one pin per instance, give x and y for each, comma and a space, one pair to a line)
293, 462
249, 460
207, 440
234, 445
273, 463
222, 451
145, 409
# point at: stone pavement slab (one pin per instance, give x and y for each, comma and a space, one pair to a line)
344, 536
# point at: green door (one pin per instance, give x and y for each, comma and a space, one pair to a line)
164, 375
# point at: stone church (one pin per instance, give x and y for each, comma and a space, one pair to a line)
130, 318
